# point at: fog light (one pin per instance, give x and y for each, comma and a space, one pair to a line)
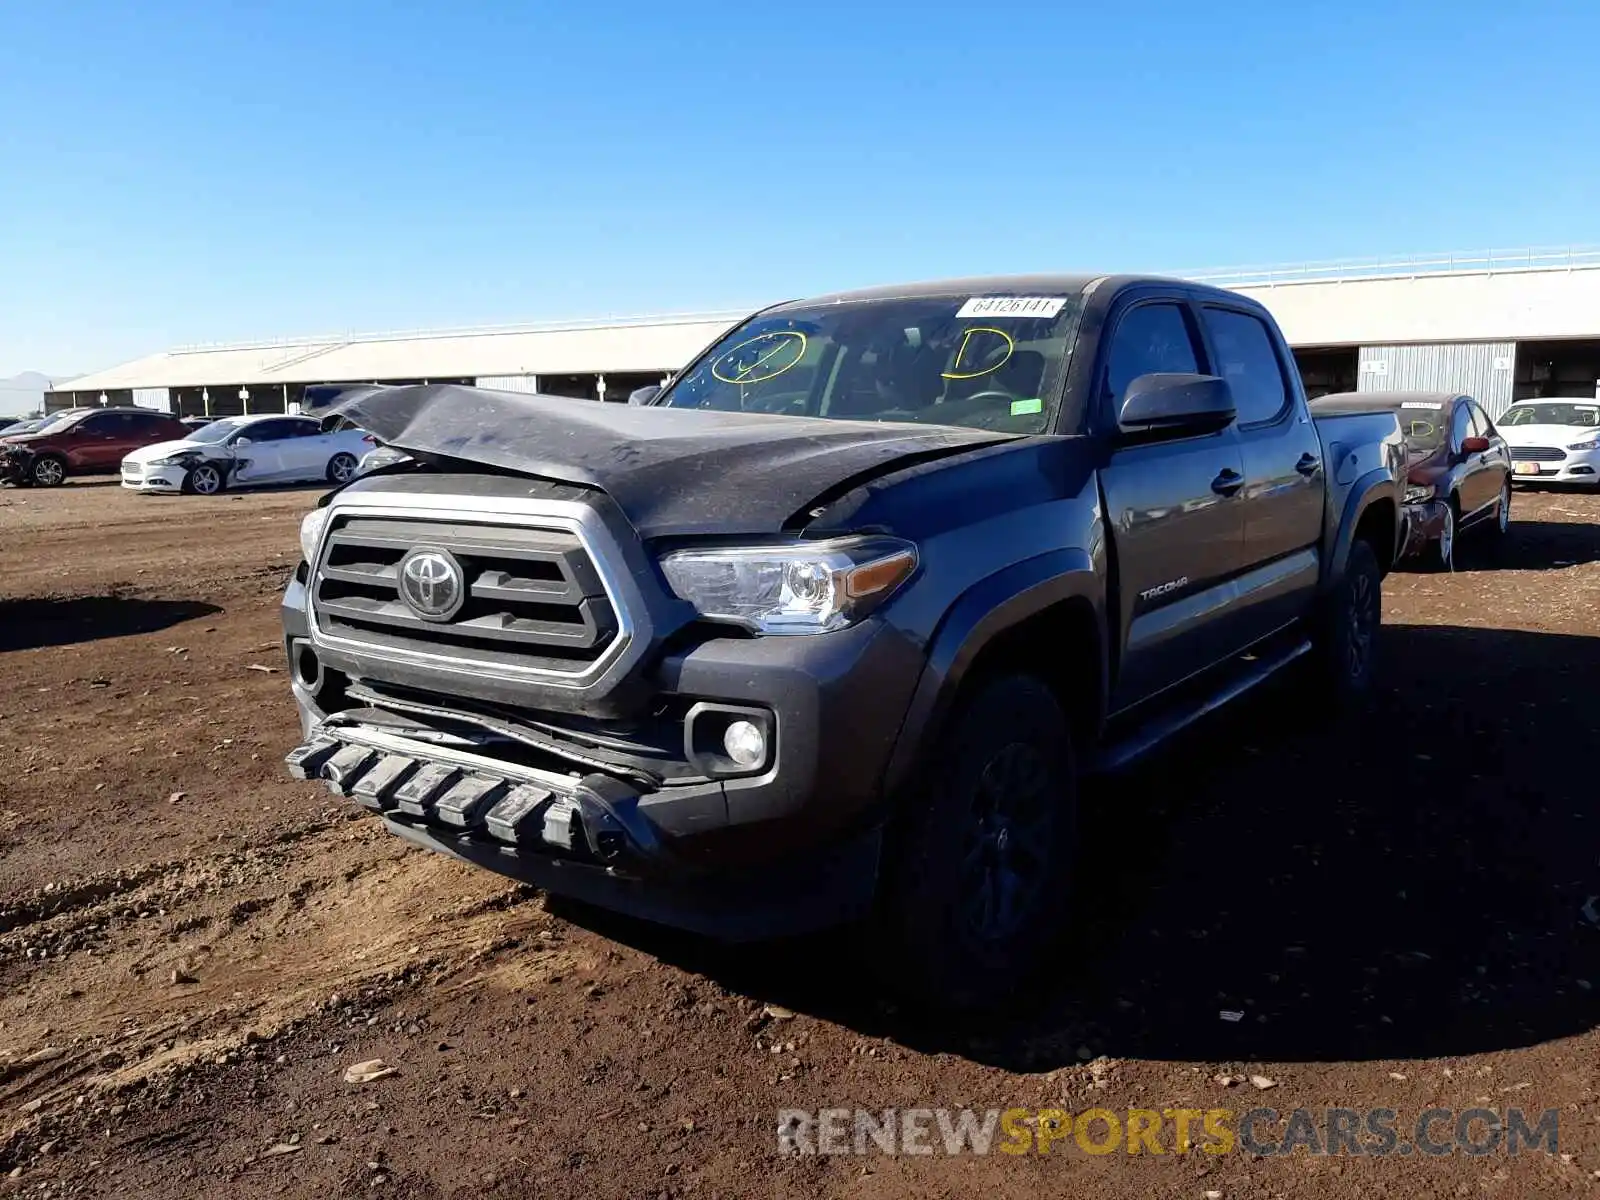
745, 743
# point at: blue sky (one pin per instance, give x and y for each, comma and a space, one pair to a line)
177, 172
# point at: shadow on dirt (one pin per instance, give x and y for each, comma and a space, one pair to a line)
1529, 546
1409, 884
29, 624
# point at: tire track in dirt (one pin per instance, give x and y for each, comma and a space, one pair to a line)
123, 980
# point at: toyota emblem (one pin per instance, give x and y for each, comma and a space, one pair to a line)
432, 584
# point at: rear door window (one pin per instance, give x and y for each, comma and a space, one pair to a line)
1248, 359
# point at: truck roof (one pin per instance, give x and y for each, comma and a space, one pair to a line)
987, 285
1339, 403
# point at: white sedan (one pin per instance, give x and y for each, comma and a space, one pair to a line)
1553, 441
241, 451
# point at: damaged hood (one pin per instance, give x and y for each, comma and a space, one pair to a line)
149, 454
671, 470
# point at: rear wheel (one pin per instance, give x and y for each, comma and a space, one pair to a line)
204, 479
977, 877
47, 471
1345, 640
341, 468
1502, 518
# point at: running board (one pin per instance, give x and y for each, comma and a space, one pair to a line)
1258, 668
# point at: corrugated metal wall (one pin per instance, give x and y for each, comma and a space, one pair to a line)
157, 398
1482, 370
510, 383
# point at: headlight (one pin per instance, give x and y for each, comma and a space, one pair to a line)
1418, 495
801, 587
1591, 444
172, 460
383, 456
311, 532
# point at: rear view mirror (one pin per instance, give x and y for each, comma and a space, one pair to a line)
1474, 445
645, 394
1177, 403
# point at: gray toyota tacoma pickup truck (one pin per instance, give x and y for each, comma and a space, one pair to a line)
829, 629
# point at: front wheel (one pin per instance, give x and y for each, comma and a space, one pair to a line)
1444, 550
1502, 517
977, 874
341, 468
204, 479
47, 472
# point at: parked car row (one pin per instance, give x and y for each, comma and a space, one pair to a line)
1461, 464
153, 452
242, 451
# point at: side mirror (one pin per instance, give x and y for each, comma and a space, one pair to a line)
1474, 445
1179, 404
644, 395
241, 440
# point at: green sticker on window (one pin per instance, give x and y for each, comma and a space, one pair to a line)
1021, 408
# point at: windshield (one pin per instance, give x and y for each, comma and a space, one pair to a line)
981, 362
215, 431
1585, 416
62, 420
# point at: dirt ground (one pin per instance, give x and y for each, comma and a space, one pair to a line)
194, 947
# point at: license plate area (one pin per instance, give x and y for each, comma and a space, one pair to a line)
1526, 468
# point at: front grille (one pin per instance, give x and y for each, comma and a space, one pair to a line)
534, 599
1538, 454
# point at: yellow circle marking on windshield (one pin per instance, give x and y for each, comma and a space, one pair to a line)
961, 352
767, 365
1422, 429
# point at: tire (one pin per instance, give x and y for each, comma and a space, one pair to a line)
341, 468
1443, 552
205, 479
1345, 640
1502, 517
47, 471
977, 870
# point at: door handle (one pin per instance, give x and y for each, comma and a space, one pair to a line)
1228, 482
1309, 464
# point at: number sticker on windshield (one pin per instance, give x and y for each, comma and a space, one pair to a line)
1429, 405
763, 357
1012, 306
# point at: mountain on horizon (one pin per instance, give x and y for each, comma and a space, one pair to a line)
24, 393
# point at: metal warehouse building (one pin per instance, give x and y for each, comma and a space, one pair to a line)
1499, 326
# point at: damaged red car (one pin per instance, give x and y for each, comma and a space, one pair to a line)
1458, 469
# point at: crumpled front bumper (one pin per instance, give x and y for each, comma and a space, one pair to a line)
14, 464
452, 790
1421, 523
581, 837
